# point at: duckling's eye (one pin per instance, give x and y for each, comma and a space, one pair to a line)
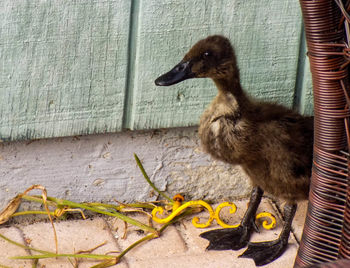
206, 54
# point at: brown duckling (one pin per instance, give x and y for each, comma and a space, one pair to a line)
273, 144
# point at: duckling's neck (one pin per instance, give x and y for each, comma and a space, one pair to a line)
231, 86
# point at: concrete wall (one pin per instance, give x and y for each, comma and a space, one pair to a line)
102, 167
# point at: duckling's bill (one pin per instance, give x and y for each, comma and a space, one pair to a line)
180, 72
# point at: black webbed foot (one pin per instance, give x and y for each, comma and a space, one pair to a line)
265, 252
224, 239
236, 238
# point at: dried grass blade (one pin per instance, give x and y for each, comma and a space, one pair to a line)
10, 209
149, 180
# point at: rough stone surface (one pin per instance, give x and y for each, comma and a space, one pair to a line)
170, 240
102, 167
72, 236
8, 250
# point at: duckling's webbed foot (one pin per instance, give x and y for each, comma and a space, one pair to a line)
224, 239
265, 252
236, 238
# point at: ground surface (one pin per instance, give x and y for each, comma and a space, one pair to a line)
179, 245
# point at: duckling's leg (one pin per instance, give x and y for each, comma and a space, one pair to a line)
265, 252
236, 238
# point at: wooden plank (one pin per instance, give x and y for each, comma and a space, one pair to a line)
266, 35
63, 67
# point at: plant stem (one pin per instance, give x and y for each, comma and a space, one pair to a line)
147, 237
21, 213
61, 202
48, 254
113, 214
38, 199
23, 246
149, 181
54, 255
120, 207
152, 236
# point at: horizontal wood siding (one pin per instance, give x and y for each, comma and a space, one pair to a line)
84, 67
266, 35
63, 67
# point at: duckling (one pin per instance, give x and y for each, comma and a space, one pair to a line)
272, 144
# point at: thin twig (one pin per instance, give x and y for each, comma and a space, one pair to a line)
44, 196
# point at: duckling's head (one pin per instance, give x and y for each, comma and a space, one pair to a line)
212, 57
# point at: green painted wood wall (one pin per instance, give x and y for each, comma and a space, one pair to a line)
88, 66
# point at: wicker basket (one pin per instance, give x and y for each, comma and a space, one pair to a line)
326, 235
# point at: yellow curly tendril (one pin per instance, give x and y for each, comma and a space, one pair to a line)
217, 214
266, 224
178, 209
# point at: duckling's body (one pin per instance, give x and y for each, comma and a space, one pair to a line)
273, 144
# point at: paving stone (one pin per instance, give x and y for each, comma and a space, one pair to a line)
219, 259
8, 250
299, 219
118, 226
178, 246
170, 243
73, 236
213, 259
